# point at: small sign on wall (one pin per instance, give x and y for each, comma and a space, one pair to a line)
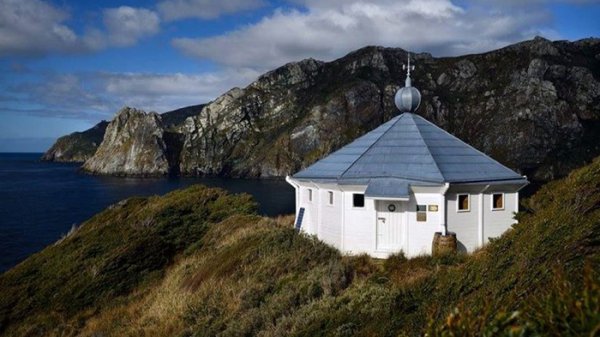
433, 208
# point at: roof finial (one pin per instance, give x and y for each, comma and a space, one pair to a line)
408, 68
407, 99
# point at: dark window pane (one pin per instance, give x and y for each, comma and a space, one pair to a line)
498, 200
358, 200
463, 202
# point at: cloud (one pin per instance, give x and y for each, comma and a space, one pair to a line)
126, 25
37, 28
204, 9
98, 95
330, 29
163, 92
31, 27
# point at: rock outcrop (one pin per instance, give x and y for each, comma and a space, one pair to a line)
78, 146
534, 106
133, 144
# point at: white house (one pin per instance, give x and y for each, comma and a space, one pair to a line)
392, 189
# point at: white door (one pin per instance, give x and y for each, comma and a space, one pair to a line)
389, 226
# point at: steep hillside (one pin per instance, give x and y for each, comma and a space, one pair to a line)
534, 106
176, 118
134, 144
115, 256
78, 146
197, 262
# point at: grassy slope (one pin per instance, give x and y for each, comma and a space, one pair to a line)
180, 265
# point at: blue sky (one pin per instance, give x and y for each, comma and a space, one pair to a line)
66, 65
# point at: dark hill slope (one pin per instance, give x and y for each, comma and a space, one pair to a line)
77, 146
176, 118
185, 265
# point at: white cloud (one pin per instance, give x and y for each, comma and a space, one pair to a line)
163, 92
126, 25
96, 96
33, 27
330, 29
36, 27
204, 9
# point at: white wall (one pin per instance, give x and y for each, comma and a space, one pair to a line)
353, 230
420, 234
496, 222
464, 224
330, 226
311, 211
359, 224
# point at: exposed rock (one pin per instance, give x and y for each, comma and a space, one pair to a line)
78, 146
81, 146
534, 106
133, 145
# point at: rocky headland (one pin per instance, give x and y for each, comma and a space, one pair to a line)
534, 106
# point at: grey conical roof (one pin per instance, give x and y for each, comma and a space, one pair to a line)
408, 147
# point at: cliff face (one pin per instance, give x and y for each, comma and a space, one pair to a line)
534, 106
133, 144
78, 146
81, 146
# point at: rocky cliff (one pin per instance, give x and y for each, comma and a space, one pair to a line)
78, 146
534, 106
134, 144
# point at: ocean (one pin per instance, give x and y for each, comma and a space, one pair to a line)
40, 201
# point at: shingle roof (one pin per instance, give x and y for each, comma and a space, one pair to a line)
409, 147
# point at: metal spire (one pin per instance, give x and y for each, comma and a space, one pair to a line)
407, 99
408, 68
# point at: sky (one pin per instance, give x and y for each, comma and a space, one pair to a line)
65, 65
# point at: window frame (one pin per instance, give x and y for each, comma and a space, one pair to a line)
417, 212
468, 209
503, 201
330, 199
363, 200
310, 195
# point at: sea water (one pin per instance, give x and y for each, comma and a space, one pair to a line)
41, 201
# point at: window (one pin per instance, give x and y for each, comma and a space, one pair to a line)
463, 203
358, 200
421, 213
497, 201
309, 194
330, 197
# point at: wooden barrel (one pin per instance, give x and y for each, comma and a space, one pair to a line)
444, 244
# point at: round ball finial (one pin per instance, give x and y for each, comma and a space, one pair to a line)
407, 99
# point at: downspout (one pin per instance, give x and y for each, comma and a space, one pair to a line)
443, 209
343, 229
480, 215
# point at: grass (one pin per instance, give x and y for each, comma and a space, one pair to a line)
199, 262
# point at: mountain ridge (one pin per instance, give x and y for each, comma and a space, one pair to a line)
534, 106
